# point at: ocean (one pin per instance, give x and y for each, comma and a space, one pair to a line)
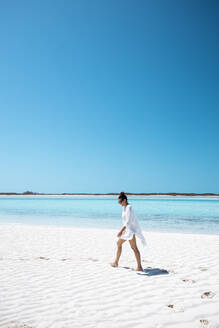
158, 213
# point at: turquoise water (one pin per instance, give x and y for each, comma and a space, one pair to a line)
154, 214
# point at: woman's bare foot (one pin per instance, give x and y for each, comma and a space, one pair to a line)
114, 264
138, 269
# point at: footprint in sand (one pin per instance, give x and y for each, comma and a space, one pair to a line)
43, 258
65, 259
208, 295
176, 308
203, 269
189, 281
204, 322
93, 260
21, 259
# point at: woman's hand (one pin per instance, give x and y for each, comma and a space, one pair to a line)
122, 231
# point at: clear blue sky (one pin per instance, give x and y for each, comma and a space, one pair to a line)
104, 96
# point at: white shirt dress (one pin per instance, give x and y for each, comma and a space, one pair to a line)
132, 226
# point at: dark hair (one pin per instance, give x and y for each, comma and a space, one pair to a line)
123, 196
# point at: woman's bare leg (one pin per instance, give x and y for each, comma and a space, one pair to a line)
118, 253
136, 252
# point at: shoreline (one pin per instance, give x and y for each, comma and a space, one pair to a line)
103, 229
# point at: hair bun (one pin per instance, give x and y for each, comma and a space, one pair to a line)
123, 196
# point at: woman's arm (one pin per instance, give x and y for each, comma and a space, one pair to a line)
127, 220
128, 216
121, 232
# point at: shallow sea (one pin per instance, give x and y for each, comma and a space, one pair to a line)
167, 214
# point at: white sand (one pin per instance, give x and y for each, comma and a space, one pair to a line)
60, 277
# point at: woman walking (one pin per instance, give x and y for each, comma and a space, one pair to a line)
128, 232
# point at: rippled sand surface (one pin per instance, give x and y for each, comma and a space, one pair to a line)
60, 277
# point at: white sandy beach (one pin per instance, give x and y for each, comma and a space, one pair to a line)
60, 277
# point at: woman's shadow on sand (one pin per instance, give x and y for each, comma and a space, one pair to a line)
150, 271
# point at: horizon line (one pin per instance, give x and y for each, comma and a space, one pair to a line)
112, 193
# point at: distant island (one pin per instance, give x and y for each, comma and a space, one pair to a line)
26, 193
